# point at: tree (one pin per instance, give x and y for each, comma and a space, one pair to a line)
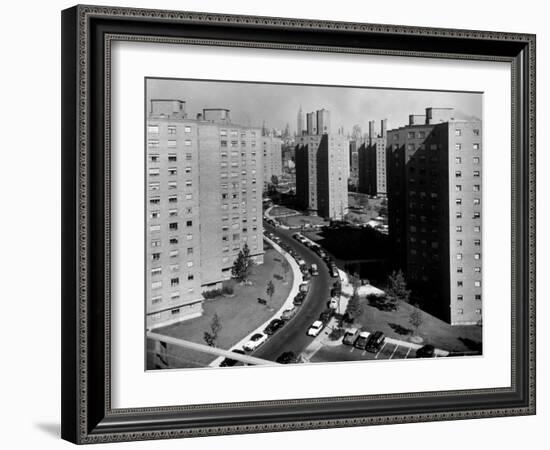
243, 265
270, 290
274, 180
215, 326
354, 308
397, 288
416, 319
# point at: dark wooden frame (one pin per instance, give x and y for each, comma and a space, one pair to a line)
87, 32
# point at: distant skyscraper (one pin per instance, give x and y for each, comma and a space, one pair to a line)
300, 122
323, 121
434, 208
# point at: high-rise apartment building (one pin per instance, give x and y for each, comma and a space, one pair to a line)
372, 162
322, 166
272, 156
204, 180
434, 207
354, 162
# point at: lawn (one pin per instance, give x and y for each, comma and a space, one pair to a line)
239, 314
282, 211
434, 331
302, 220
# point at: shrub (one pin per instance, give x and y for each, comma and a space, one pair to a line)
336, 334
212, 293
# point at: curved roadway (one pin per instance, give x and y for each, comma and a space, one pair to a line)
293, 337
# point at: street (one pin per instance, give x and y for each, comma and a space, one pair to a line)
292, 337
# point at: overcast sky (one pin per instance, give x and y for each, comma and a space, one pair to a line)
253, 103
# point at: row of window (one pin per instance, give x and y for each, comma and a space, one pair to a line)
458, 173
171, 225
460, 311
155, 172
459, 256
155, 158
235, 133
171, 129
157, 271
235, 144
170, 143
171, 199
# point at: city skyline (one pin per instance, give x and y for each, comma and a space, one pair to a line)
280, 103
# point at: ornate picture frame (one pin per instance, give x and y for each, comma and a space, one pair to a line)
88, 33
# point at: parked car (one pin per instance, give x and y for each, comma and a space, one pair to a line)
301, 262
255, 341
304, 287
287, 358
289, 313
314, 270
426, 351
375, 342
306, 276
361, 341
334, 272
335, 292
315, 328
333, 303
297, 236
350, 336
274, 326
228, 362
299, 298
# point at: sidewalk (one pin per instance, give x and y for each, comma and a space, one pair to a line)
288, 303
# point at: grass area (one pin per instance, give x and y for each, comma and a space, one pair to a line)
434, 331
239, 314
302, 220
282, 211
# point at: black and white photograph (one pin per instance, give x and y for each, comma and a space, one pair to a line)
301, 224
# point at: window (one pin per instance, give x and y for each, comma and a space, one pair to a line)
189, 237
459, 201
477, 215
477, 296
187, 143
154, 200
153, 143
458, 160
173, 199
174, 281
459, 242
155, 228
410, 135
458, 132
477, 269
154, 186
155, 256
476, 173
476, 160
476, 187
154, 172
172, 157
458, 187
172, 185
190, 263
459, 256
156, 300
477, 229
188, 169
190, 250
190, 277
188, 183
460, 298
188, 156
174, 267
156, 271
154, 157
174, 253
155, 243
478, 310
459, 270
458, 228
172, 171
156, 284
172, 143
174, 295
172, 212
458, 174
173, 226
173, 240
458, 146
477, 242
153, 129
171, 129
188, 196
422, 134
477, 256
460, 283
188, 129
189, 223
477, 201
460, 311
223, 143
175, 311
476, 146
477, 283
476, 132
459, 215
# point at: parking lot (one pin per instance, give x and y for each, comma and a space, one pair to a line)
340, 352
